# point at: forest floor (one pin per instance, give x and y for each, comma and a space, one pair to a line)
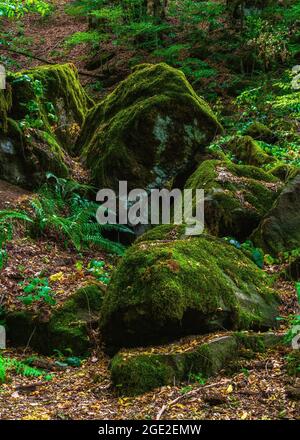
260, 389
256, 388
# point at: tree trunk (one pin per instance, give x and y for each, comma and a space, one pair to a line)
157, 8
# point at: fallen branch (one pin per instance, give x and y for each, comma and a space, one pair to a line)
31, 386
189, 394
44, 60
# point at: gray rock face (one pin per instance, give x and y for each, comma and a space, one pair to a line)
279, 230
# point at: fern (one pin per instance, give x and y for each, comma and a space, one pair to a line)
63, 209
18, 368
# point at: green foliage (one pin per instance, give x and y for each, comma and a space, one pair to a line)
36, 290
13, 366
17, 8
92, 37
62, 209
255, 253
277, 104
97, 269
197, 377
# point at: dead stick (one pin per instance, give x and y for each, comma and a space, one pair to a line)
43, 60
189, 394
30, 386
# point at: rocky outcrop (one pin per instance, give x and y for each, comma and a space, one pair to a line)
151, 130
236, 196
41, 112
279, 230
164, 289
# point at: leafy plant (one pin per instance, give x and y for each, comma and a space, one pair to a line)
62, 209
17, 8
197, 378
37, 289
97, 269
11, 365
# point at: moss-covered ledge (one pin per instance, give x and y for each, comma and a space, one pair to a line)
68, 327
136, 372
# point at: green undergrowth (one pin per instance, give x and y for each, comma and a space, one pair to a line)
10, 367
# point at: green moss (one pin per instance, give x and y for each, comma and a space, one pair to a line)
247, 151
293, 363
5, 106
25, 159
163, 290
42, 111
89, 297
236, 196
163, 232
61, 102
148, 130
284, 171
260, 132
69, 325
141, 374
67, 329
279, 229
136, 372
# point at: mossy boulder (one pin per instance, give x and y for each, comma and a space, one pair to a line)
245, 150
25, 158
261, 132
136, 372
284, 171
236, 196
163, 233
164, 290
68, 327
41, 111
153, 128
279, 230
53, 96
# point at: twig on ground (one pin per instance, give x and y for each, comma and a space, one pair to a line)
189, 394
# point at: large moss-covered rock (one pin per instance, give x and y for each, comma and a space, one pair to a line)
261, 132
26, 157
67, 329
236, 196
279, 230
41, 112
245, 150
284, 171
151, 129
163, 290
138, 371
53, 96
